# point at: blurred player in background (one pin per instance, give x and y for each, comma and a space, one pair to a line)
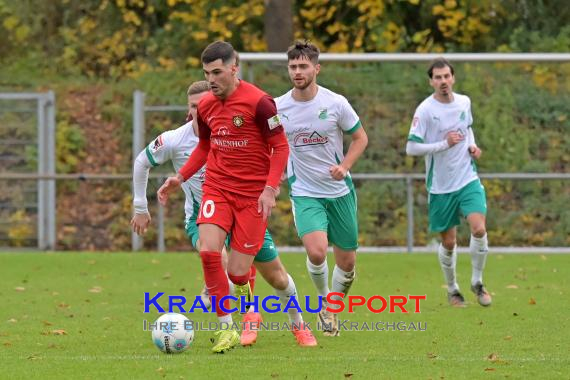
441, 131
242, 141
322, 193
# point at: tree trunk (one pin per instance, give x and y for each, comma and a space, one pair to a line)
278, 21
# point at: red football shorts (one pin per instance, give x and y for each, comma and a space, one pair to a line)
237, 215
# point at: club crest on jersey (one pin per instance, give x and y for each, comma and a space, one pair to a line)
238, 121
415, 122
157, 144
323, 113
274, 122
462, 116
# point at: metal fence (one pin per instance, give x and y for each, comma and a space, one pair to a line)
43, 174
27, 125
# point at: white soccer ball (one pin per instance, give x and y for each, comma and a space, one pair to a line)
172, 333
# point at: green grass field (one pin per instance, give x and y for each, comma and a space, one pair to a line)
80, 316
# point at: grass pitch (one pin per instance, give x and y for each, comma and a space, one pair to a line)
80, 316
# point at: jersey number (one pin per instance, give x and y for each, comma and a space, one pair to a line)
208, 208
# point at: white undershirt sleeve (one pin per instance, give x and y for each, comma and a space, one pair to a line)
140, 180
421, 149
470, 137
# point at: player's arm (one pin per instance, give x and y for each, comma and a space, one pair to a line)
268, 121
416, 148
194, 163
355, 150
474, 150
416, 145
155, 154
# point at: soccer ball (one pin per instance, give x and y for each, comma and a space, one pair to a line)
172, 333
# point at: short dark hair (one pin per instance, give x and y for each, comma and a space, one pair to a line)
439, 63
220, 50
303, 49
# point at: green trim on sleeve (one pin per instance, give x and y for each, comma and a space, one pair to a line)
354, 129
430, 175
150, 157
415, 138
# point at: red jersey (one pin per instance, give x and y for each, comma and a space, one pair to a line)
241, 130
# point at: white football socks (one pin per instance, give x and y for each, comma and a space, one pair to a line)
478, 247
448, 261
320, 276
284, 296
341, 281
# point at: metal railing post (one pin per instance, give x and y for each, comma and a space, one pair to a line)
50, 170
138, 145
410, 209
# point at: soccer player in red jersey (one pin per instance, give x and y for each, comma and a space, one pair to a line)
245, 150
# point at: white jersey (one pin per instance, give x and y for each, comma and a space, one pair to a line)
176, 146
315, 130
451, 169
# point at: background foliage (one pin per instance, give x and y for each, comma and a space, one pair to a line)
93, 54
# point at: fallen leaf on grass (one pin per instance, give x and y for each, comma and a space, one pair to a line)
348, 375
490, 369
431, 355
532, 301
492, 357
19, 288
12, 320
512, 287
166, 276
59, 332
46, 323
508, 337
7, 344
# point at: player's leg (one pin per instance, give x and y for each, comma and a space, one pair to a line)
312, 224
474, 206
248, 232
443, 218
343, 234
214, 221
274, 272
253, 318
276, 275
193, 234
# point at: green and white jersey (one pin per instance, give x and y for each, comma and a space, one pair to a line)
451, 169
314, 130
177, 145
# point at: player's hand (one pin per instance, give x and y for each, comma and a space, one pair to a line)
453, 138
338, 172
266, 201
170, 185
140, 223
475, 152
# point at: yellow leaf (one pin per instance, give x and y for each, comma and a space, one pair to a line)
10, 22
22, 32
437, 10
